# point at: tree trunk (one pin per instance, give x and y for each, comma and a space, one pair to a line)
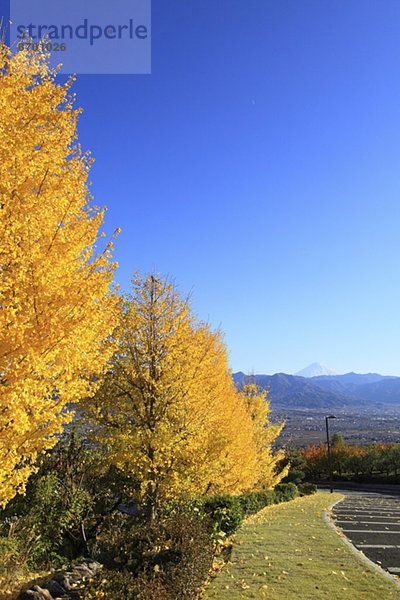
152, 502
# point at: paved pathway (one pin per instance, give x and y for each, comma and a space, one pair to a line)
372, 523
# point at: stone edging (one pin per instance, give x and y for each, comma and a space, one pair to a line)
368, 561
64, 584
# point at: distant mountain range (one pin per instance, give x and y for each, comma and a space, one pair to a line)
351, 390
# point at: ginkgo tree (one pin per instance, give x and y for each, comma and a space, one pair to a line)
265, 433
167, 409
57, 301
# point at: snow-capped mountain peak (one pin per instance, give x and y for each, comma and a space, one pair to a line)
316, 369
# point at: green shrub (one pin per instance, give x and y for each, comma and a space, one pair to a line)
10, 554
255, 501
285, 492
306, 489
249, 503
68, 500
266, 498
224, 513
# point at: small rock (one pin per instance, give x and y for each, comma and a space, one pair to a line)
45, 594
36, 593
93, 565
64, 580
83, 571
54, 588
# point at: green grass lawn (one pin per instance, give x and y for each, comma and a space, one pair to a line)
288, 552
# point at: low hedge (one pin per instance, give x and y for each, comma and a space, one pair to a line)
255, 501
225, 513
305, 489
285, 492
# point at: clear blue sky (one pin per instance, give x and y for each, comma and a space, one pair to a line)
258, 165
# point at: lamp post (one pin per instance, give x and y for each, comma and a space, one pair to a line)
329, 451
